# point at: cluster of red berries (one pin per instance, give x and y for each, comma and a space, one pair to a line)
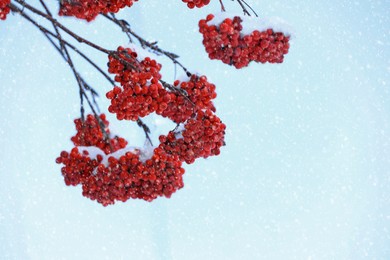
140, 93
128, 177
120, 179
196, 3
198, 93
89, 9
202, 136
89, 133
4, 9
225, 42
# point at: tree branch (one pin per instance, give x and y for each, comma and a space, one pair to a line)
62, 27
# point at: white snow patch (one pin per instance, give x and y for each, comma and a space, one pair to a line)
147, 152
179, 131
158, 120
118, 154
250, 24
141, 52
92, 151
184, 77
144, 153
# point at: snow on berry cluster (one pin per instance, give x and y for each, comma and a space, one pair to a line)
117, 174
89, 9
239, 40
4, 9
196, 3
202, 136
141, 92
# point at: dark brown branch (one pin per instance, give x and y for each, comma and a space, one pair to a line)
63, 46
54, 26
65, 54
46, 31
62, 27
81, 82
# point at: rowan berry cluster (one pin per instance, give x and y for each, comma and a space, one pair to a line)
141, 92
120, 178
202, 136
198, 95
4, 9
89, 133
77, 167
89, 9
196, 3
225, 42
124, 177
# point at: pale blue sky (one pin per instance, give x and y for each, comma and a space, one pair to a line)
304, 175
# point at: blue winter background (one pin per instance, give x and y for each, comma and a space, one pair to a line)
304, 174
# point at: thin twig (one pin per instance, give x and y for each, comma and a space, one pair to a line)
222, 6
243, 7
66, 56
182, 92
146, 129
126, 28
249, 7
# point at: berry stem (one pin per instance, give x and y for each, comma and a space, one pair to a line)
253, 11
165, 84
177, 89
146, 129
244, 6
222, 6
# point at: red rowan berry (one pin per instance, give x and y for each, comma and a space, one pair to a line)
196, 3
4, 9
89, 9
